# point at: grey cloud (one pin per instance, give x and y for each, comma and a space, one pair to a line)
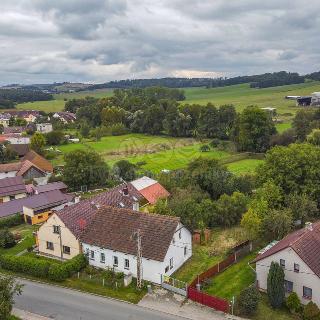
101, 40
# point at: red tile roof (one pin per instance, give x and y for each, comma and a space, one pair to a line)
20, 149
51, 186
113, 228
305, 242
12, 186
8, 167
26, 166
154, 192
39, 161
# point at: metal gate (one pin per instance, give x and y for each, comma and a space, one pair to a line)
174, 285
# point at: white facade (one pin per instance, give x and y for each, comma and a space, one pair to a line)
8, 174
14, 197
304, 278
18, 140
179, 251
44, 127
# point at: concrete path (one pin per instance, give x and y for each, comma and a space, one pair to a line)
165, 301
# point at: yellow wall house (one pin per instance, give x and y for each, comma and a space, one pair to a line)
43, 205
54, 239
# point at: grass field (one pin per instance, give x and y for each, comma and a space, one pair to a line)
239, 95
59, 100
242, 96
244, 166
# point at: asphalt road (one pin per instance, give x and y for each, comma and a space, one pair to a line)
63, 304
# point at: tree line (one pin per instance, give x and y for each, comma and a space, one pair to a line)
257, 81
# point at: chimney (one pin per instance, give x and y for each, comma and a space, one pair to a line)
125, 191
77, 199
309, 226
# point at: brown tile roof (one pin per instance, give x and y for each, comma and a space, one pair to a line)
12, 186
26, 166
77, 217
154, 192
113, 228
7, 130
45, 200
39, 161
305, 242
20, 149
8, 167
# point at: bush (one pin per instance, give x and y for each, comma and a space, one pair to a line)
118, 129
214, 143
43, 269
293, 303
7, 239
11, 221
247, 302
204, 148
311, 312
26, 265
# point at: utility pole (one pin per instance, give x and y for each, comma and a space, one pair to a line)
60, 237
137, 237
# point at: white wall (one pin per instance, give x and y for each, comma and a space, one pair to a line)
9, 174
305, 277
152, 270
17, 196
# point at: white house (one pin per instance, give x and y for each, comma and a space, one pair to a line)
299, 255
5, 118
44, 127
110, 242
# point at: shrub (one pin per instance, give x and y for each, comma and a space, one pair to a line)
214, 143
247, 302
7, 239
293, 303
204, 148
11, 221
58, 272
26, 265
311, 312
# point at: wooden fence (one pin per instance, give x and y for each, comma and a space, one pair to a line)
212, 301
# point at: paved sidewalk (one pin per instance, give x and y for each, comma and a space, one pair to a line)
169, 302
24, 315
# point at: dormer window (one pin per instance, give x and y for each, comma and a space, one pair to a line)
121, 205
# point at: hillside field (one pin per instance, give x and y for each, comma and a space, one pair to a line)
156, 153
239, 95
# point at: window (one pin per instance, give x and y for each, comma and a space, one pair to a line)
288, 286
296, 267
66, 249
39, 216
92, 255
56, 229
185, 250
11, 197
102, 258
49, 245
171, 263
115, 261
180, 234
282, 263
166, 269
307, 293
126, 264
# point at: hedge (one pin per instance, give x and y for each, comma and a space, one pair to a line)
11, 221
43, 269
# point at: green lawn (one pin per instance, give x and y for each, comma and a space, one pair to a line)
208, 255
234, 279
242, 95
59, 100
244, 166
266, 312
27, 241
281, 127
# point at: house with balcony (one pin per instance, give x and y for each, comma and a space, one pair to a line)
299, 256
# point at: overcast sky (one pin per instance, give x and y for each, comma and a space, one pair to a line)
102, 40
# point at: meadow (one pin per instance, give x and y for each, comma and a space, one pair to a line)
239, 95
60, 99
